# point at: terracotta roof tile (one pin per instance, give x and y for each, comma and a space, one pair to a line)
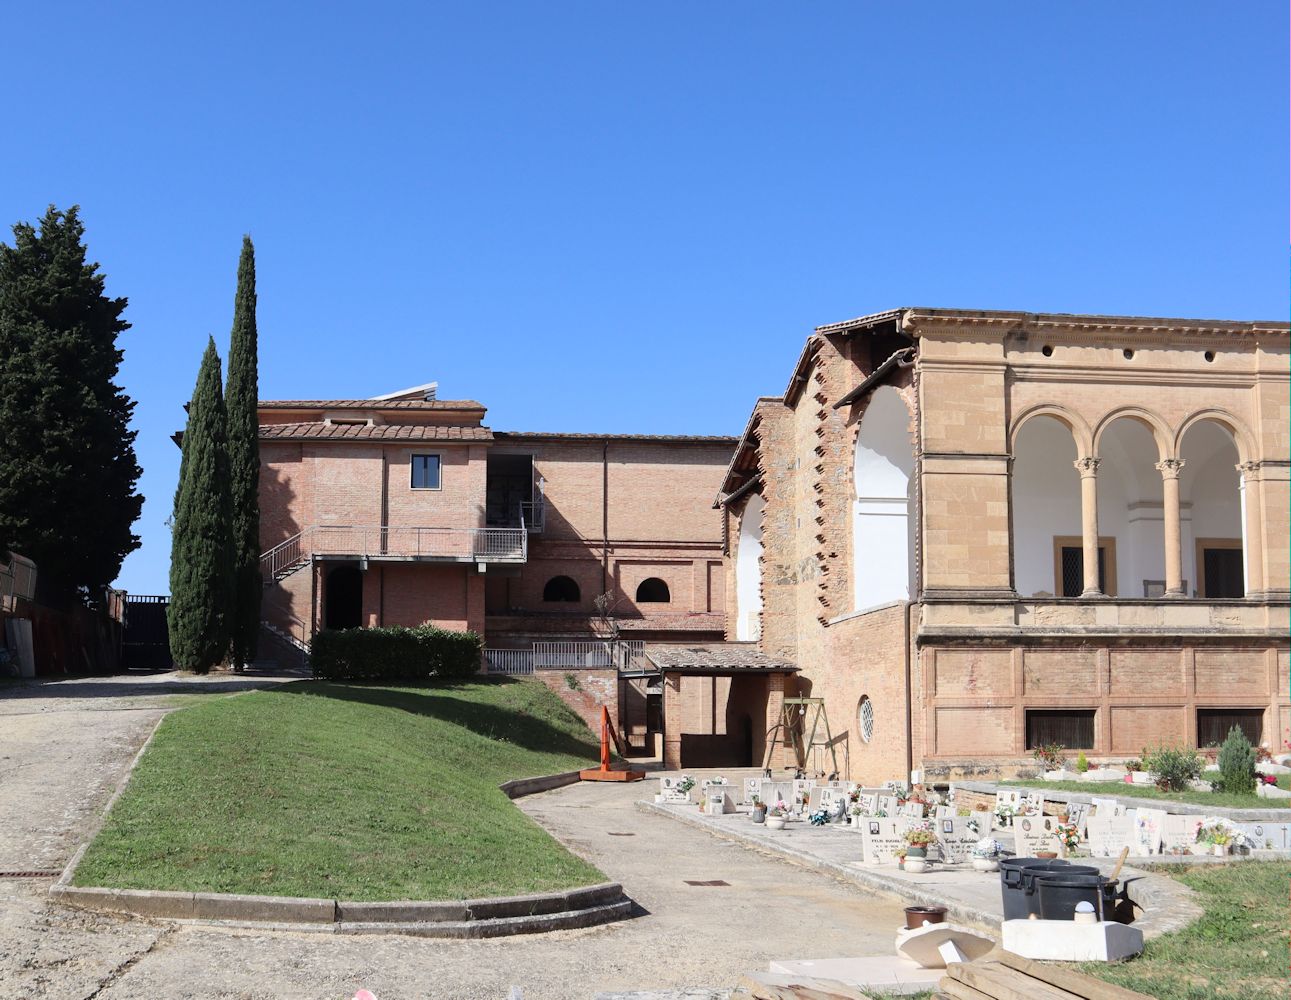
724, 657
370, 404
372, 432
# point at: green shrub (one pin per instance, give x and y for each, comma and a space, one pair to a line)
1237, 763
1082, 762
1051, 757
395, 654
1172, 767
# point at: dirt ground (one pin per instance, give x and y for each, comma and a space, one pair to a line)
64, 745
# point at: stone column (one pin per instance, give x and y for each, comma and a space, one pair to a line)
1170, 469
1088, 468
1252, 530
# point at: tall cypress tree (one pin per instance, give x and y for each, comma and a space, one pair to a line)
201, 552
242, 400
67, 461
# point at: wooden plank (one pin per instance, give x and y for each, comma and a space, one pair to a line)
953, 990
1067, 979
1003, 983
774, 986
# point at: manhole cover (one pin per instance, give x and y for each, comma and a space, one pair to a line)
34, 873
713, 882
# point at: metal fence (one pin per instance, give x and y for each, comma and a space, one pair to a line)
392, 542
607, 654
514, 662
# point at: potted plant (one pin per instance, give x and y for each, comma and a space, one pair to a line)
776, 816
986, 855
918, 839
759, 810
900, 853
685, 785
1068, 838
1217, 834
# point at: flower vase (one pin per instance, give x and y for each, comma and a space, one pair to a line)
775, 823
1219, 850
986, 864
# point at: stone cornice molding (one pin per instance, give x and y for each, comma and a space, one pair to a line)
917, 321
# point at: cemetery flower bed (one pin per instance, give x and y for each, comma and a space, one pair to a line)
1222, 800
1236, 949
353, 792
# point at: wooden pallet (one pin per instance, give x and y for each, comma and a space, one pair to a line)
1001, 975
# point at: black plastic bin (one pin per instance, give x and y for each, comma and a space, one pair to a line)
1059, 892
1017, 882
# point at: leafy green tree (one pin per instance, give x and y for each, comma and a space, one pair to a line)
1237, 763
201, 554
242, 400
67, 465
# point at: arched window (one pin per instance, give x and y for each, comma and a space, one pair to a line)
653, 591
748, 572
560, 588
1211, 501
1048, 557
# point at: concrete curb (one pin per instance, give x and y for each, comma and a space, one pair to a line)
520, 787
1172, 904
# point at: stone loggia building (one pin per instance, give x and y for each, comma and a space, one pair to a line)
974, 533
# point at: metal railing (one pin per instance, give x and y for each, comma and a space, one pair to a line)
17, 580
392, 542
606, 654
533, 515
514, 662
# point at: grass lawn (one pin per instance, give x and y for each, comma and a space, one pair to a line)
347, 791
1224, 800
1238, 949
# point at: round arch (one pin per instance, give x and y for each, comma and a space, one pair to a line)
1241, 437
748, 571
882, 481
1159, 429
1077, 424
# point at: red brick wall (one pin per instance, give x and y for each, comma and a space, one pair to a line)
593, 688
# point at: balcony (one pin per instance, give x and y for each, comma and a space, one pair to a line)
383, 543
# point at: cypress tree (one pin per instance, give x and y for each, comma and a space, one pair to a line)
201, 553
67, 461
242, 399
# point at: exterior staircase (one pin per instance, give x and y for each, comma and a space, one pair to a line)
294, 648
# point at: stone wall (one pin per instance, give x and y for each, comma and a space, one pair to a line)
585, 691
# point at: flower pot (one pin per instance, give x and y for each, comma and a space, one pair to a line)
916, 865
917, 916
986, 864
759, 814
1046, 855
916, 852
775, 822
1219, 850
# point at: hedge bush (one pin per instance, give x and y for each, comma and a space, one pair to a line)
395, 654
1237, 763
1172, 767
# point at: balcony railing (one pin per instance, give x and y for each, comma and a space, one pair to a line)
582, 655
395, 543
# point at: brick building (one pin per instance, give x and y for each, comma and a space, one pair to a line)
406, 509
978, 532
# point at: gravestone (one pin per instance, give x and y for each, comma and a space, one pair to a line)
1077, 815
717, 801
777, 791
1268, 836
753, 790
956, 838
833, 801
1008, 797
867, 802
911, 810
1179, 834
941, 812
1147, 832
1033, 804
1108, 835
1108, 807
1034, 834
708, 783
887, 805
881, 838
669, 790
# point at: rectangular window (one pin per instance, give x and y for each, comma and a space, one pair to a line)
1213, 724
1219, 568
425, 472
1072, 727
1069, 566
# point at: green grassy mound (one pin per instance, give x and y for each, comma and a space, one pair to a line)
348, 791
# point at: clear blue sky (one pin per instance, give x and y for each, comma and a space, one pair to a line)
627, 217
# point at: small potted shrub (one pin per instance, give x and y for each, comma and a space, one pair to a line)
776, 816
986, 855
918, 840
1082, 763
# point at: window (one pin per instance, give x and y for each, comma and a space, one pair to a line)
865, 718
653, 591
1069, 566
560, 588
1213, 724
425, 472
1219, 568
1072, 727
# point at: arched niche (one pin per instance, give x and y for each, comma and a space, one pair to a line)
748, 571
882, 535
1210, 488
1045, 504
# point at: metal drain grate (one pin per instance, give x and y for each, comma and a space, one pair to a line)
714, 882
35, 873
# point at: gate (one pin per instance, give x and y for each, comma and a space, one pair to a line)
146, 641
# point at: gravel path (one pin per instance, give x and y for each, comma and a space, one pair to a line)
72, 749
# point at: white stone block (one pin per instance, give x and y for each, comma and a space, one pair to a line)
1068, 941
1062, 774
1271, 792
1103, 774
1264, 767
885, 973
1141, 778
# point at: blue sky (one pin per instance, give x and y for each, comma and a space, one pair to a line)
627, 217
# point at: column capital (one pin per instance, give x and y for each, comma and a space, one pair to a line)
1170, 468
1249, 470
1088, 467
